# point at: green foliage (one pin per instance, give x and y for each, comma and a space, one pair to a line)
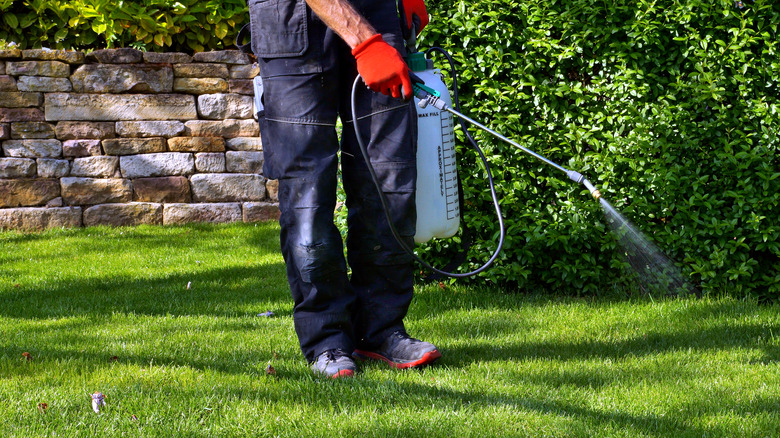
669, 107
153, 25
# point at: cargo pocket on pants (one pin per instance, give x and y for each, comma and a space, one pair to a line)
279, 28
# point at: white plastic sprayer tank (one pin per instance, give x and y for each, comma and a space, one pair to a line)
438, 209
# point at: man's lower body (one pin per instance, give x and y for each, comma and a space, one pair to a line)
307, 73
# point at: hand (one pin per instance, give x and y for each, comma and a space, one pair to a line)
413, 12
382, 67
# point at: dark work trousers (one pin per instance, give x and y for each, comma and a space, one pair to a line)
307, 73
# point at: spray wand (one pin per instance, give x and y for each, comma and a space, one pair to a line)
428, 98
656, 270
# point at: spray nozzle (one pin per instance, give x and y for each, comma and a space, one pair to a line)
591, 188
579, 179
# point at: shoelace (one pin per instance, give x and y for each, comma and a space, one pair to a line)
333, 355
401, 335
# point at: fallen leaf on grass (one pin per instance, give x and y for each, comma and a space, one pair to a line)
270, 370
27, 356
42, 407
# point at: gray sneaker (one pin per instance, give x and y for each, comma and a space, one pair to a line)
334, 364
402, 351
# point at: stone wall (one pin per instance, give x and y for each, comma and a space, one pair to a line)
123, 137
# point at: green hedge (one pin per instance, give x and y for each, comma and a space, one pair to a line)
150, 25
670, 107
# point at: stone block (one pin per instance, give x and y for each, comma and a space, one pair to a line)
244, 162
225, 106
167, 58
32, 130
81, 148
169, 189
69, 56
2, 68
39, 218
223, 57
53, 168
162, 164
17, 168
200, 71
18, 99
42, 84
188, 213
52, 69
272, 189
147, 128
210, 162
93, 191
247, 71
97, 167
260, 212
230, 128
56, 202
200, 85
244, 144
130, 146
5, 131
133, 78
122, 215
21, 115
85, 130
224, 187
8, 83
27, 192
105, 107
242, 86
196, 144
49, 148
116, 56
10, 54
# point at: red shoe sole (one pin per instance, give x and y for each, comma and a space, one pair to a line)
343, 373
428, 358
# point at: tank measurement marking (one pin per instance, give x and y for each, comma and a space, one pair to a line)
450, 169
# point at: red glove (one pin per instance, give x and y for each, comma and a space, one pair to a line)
413, 12
382, 67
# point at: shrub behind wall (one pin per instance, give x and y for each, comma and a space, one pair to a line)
150, 25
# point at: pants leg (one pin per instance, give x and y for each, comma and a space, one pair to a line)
382, 273
300, 77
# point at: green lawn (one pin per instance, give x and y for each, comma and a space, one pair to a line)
110, 310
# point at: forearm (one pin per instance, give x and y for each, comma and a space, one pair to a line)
340, 16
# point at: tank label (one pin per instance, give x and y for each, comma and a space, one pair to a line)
441, 171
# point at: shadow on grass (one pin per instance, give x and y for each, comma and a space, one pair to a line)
698, 328
217, 292
695, 340
100, 270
